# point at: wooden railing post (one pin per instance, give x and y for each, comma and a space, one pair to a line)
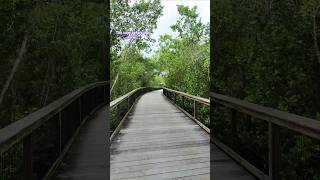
60, 133
128, 103
233, 124
80, 109
27, 158
194, 109
182, 99
274, 152
104, 93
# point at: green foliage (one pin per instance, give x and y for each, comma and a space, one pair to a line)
185, 60
181, 63
134, 71
127, 63
141, 16
157, 81
64, 51
267, 52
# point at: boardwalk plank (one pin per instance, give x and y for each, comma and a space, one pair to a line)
172, 174
166, 169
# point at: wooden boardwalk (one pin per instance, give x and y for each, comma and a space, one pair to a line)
156, 142
224, 168
88, 157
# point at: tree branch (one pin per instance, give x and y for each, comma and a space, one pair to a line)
22, 51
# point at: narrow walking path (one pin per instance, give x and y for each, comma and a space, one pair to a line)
158, 141
88, 157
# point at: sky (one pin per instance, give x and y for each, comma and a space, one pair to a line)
171, 15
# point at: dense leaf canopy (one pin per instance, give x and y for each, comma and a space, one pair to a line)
65, 44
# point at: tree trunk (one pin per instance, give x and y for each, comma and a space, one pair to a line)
115, 81
45, 82
22, 51
49, 84
315, 38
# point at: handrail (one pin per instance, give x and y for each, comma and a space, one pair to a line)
78, 104
276, 119
196, 100
303, 125
21, 128
122, 98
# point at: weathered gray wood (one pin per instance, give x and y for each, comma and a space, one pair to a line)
27, 158
258, 173
276, 120
274, 151
233, 120
223, 167
195, 120
303, 125
88, 157
16, 131
194, 110
195, 98
158, 141
117, 101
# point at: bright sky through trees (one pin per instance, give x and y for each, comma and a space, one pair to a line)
171, 15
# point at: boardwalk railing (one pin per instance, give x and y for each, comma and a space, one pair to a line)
195, 107
271, 144
33, 147
121, 107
